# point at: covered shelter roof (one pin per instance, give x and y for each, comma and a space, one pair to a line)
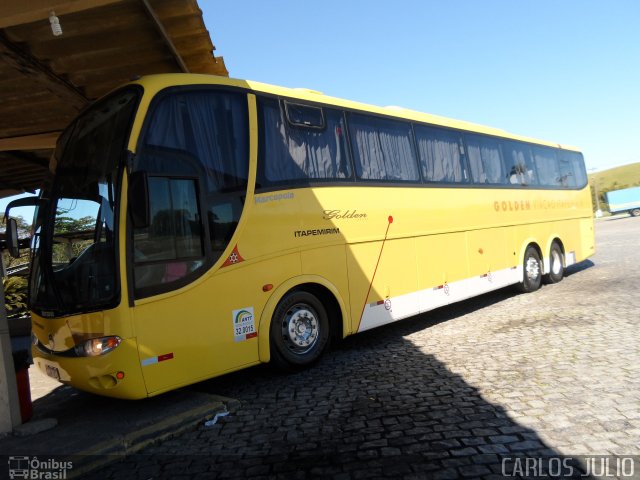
45, 80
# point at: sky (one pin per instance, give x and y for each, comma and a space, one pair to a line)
566, 71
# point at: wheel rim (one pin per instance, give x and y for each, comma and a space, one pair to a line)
300, 328
556, 262
532, 268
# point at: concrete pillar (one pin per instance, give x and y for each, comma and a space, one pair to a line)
9, 402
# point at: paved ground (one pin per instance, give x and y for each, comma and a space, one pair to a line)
89, 431
443, 395
41, 385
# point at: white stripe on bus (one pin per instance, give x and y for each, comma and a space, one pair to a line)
430, 298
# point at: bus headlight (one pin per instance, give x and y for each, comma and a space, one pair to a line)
97, 346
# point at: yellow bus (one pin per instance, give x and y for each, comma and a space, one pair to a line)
197, 225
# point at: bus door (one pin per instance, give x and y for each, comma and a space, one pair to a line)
188, 189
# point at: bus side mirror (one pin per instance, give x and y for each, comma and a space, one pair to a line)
12, 225
12, 237
139, 199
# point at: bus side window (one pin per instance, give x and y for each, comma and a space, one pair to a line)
567, 176
547, 166
301, 144
441, 157
383, 149
572, 168
171, 246
223, 215
521, 169
484, 160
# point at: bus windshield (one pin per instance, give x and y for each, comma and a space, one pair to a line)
75, 234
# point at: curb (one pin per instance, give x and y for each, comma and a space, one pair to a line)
120, 447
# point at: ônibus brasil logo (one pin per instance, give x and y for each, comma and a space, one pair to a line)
33, 468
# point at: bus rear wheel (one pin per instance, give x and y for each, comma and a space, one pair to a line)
299, 330
532, 274
635, 212
556, 265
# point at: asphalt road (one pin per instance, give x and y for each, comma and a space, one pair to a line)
463, 391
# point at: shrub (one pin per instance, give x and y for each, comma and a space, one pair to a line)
15, 296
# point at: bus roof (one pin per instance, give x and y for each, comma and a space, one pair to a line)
161, 81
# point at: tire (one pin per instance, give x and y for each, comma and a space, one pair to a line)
299, 331
635, 212
532, 271
556, 265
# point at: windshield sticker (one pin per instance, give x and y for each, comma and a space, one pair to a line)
244, 326
234, 258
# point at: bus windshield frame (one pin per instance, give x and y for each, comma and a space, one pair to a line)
75, 239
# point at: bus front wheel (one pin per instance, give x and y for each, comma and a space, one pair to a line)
299, 330
635, 212
556, 265
532, 274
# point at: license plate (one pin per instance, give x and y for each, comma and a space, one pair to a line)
53, 372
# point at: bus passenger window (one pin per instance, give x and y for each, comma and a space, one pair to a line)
484, 160
440, 154
547, 166
308, 145
572, 169
517, 157
567, 176
382, 149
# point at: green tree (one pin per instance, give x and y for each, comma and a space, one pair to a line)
15, 296
75, 230
72, 225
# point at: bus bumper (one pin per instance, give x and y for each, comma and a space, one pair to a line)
116, 374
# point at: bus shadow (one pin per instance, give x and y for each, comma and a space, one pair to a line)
376, 405
579, 267
615, 218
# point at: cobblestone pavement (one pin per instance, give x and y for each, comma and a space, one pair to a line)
40, 384
444, 395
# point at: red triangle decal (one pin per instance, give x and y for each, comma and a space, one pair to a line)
234, 258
